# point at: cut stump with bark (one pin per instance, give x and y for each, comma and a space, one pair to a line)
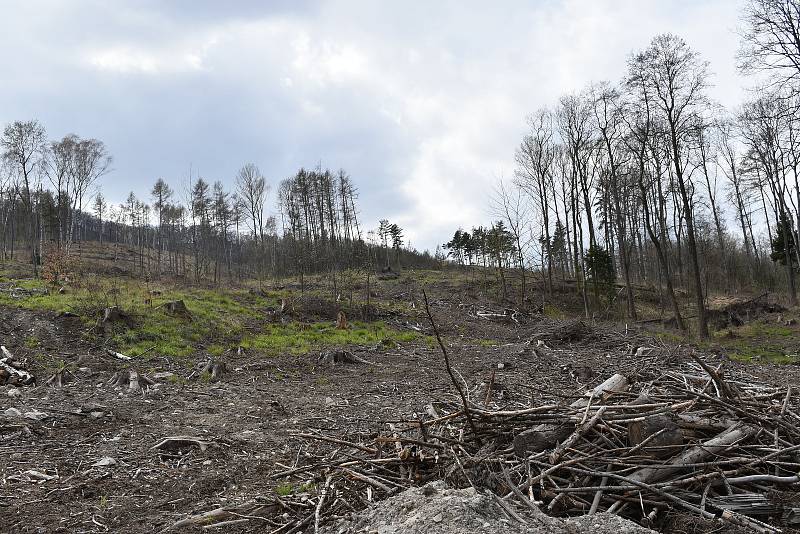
177, 308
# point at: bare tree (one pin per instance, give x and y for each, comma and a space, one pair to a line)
252, 188
677, 79
23, 147
608, 114
642, 130
509, 204
770, 41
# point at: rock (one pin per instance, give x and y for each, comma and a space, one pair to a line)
163, 374
14, 393
38, 476
12, 412
36, 415
105, 461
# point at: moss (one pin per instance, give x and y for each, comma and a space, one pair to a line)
760, 341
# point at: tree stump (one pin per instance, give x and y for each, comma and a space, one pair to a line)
130, 379
213, 369
177, 308
112, 314
341, 321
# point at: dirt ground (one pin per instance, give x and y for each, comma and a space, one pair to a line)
82, 458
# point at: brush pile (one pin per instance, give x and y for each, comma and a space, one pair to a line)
688, 440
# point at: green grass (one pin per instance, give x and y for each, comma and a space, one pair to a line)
760, 341
218, 323
284, 490
296, 338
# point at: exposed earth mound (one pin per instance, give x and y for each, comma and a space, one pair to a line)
436, 509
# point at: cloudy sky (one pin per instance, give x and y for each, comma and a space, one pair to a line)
422, 102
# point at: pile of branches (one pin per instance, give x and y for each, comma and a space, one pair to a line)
688, 440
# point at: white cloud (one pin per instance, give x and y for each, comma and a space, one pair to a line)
423, 103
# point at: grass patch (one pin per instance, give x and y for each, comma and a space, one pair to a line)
760, 341
301, 338
218, 319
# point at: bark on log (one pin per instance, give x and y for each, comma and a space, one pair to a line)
545, 436
694, 455
660, 446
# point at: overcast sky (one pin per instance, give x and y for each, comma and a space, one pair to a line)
422, 102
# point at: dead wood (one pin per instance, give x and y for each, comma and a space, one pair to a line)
13, 372
131, 380
177, 443
660, 433
547, 435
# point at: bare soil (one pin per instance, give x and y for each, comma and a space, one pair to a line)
81, 458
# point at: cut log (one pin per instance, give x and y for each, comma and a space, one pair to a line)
118, 355
545, 436
661, 431
694, 455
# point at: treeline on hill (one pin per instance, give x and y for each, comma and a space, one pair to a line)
214, 234
637, 180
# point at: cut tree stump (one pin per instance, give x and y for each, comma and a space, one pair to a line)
112, 314
177, 308
546, 436
214, 369
59, 378
130, 379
